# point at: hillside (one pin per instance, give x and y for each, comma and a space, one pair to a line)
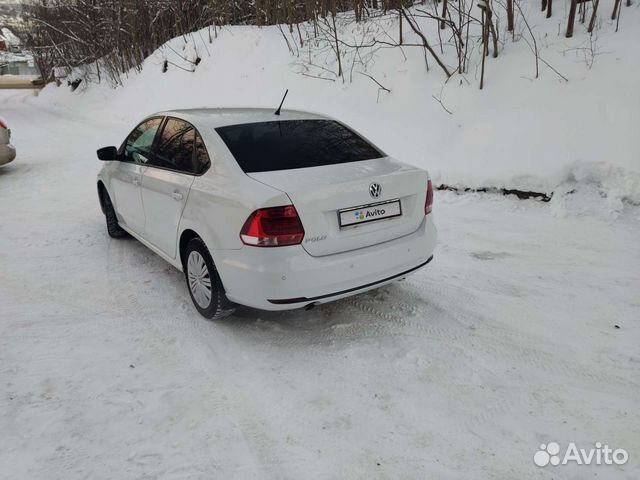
519, 132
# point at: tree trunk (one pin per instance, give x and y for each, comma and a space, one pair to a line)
443, 23
335, 33
510, 15
484, 48
494, 34
549, 3
572, 17
616, 6
425, 42
592, 22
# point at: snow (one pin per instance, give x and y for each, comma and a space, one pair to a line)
10, 36
523, 330
613, 185
505, 341
16, 57
519, 132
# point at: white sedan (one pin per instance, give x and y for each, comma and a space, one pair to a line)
7, 151
272, 211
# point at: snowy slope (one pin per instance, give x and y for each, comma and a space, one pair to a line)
506, 341
519, 132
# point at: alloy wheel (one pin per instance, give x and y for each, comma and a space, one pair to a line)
199, 279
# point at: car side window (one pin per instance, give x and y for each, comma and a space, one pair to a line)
201, 159
138, 145
175, 147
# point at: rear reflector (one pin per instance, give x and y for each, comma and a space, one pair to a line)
428, 204
3, 125
273, 227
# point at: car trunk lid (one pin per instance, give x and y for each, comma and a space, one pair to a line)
320, 193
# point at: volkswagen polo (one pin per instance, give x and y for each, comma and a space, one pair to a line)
270, 211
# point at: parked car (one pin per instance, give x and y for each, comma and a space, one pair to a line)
7, 151
272, 212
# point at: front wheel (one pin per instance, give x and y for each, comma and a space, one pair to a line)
203, 281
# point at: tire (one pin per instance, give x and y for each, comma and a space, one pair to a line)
203, 282
113, 228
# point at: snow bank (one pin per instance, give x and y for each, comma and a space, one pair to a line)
10, 36
595, 187
519, 132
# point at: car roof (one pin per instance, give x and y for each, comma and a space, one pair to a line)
221, 117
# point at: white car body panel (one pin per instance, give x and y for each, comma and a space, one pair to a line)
7, 151
227, 198
173, 261
331, 263
253, 275
164, 195
318, 193
125, 183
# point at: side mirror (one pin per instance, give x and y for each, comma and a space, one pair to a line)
108, 154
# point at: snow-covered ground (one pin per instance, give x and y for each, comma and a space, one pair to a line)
524, 330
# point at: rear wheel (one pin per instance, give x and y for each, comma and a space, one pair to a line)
203, 281
114, 230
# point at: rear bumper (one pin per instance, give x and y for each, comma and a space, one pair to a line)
7, 153
288, 277
331, 296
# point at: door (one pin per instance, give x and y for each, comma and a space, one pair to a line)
127, 178
176, 159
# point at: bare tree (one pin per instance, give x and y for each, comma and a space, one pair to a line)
485, 41
592, 22
572, 18
616, 9
443, 22
103, 40
425, 42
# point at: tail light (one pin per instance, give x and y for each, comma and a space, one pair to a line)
428, 204
3, 125
273, 227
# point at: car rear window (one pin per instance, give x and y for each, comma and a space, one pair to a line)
288, 144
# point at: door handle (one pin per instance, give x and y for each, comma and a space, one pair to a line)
136, 181
177, 196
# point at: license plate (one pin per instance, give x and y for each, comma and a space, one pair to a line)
369, 213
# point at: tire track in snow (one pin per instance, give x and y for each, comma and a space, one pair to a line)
229, 400
509, 344
505, 348
453, 335
366, 323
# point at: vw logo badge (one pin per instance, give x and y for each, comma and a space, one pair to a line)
375, 190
